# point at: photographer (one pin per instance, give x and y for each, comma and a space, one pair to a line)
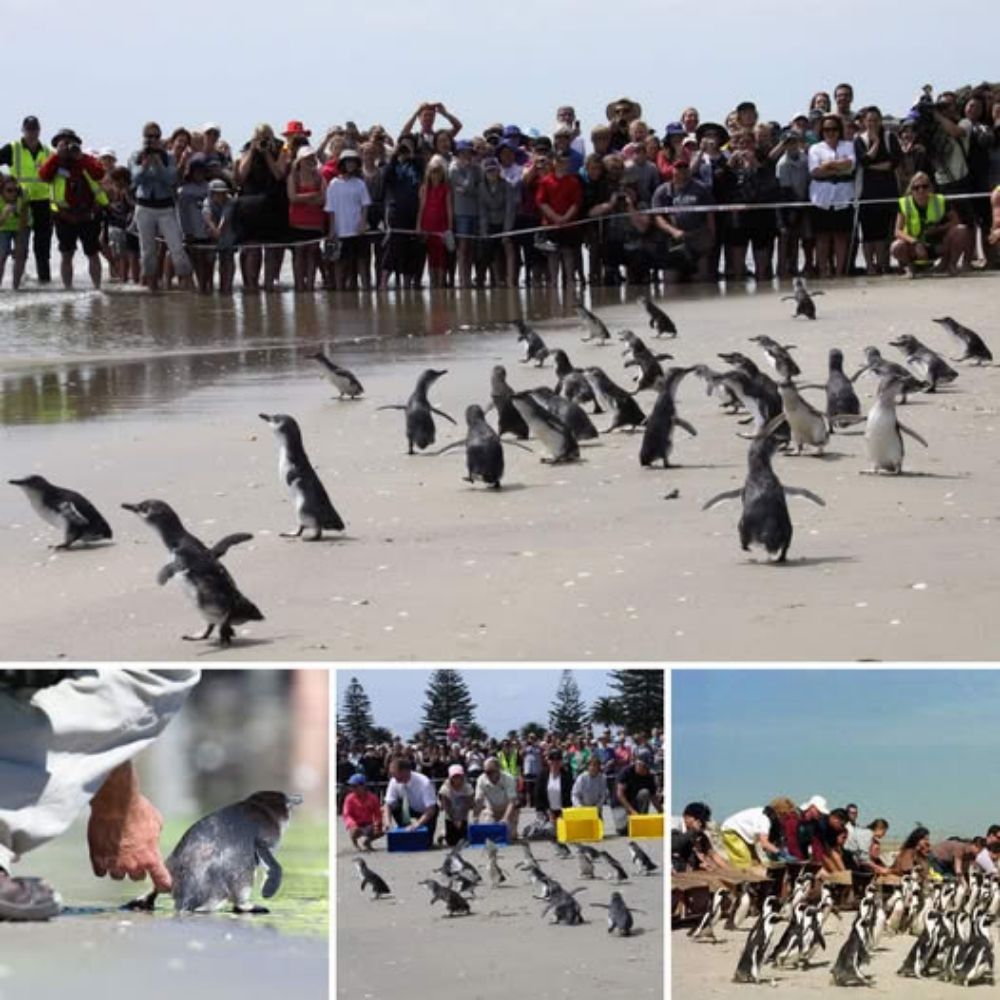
426, 114
691, 235
77, 200
951, 150
928, 230
154, 177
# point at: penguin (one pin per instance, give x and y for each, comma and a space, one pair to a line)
496, 874
804, 305
625, 411
791, 940
658, 319
782, 362
884, 432
455, 864
379, 886
975, 347
420, 413
565, 907
917, 962
810, 936
597, 332
586, 865
570, 413
841, 399
617, 872
880, 367
345, 382
78, 519
571, 382
509, 421
549, 429
805, 423
464, 885
649, 365
714, 911
715, 385
215, 861
295, 472
562, 851
658, 434
534, 347
528, 856
619, 915
483, 450
751, 961
852, 957
739, 912
455, 904
207, 581
925, 362
976, 962
538, 877
641, 861
754, 389
765, 519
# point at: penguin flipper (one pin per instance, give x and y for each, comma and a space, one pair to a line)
167, 572
448, 447
392, 406
801, 491
223, 545
913, 434
441, 413
69, 511
722, 498
523, 447
683, 423
273, 881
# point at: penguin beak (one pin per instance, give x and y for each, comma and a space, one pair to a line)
131, 506
294, 799
17, 482
264, 417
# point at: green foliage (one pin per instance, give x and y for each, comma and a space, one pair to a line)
447, 698
568, 713
356, 719
640, 693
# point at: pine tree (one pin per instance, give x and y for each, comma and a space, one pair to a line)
447, 698
532, 727
568, 713
607, 712
356, 720
640, 693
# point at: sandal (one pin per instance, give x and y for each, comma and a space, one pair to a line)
27, 899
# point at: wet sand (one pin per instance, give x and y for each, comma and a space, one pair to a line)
576, 562
504, 948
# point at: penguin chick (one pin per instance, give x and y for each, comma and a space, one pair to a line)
420, 430
77, 518
344, 381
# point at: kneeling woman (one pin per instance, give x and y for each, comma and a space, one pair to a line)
928, 230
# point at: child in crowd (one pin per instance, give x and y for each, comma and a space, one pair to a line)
14, 228
217, 212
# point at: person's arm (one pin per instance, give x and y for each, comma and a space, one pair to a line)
411, 121
994, 237
953, 128
766, 845
278, 165
449, 204
421, 198
901, 233
575, 794
622, 799
456, 125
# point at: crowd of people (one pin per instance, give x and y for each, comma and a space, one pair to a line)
458, 780
833, 838
368, 209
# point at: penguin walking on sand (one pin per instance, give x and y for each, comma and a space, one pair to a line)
806, 424
791, 939
496, 874
420, 429
571, 381
483, 451
848, 967
705, 927
197, 566
214, 863
781, 361
658, 434
585, 863
715, 385
597, 332
455, 904
565, 907
975, 347
69, 511
756, 390
379, 886
764, 520
658, 319
555, 436
509, 421
804, 305
344, 381
616, 871
883, 431
752, 958
619, 915
739, 912
534, 347
841, 399
649, 365
312, 503
625, 411
918, 961
562, 851
975, 964
881, 368
641, 861
570, 413
928, 364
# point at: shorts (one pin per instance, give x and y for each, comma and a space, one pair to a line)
737, 849
466, 225
828, 220
296, 235
87, 232
9, 241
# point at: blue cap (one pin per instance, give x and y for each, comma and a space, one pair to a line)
462, 145
675, 128
510, 130
356, 779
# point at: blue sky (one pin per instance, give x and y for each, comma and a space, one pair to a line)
909, 745
505, 699
239, 63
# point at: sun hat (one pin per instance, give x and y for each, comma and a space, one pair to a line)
635, 108
295, 127
819, 802
218, 185
712, 127
455, 769
303, 151
675, 128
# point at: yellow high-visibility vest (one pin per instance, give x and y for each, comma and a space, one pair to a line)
914, 224
59, 191
24, 166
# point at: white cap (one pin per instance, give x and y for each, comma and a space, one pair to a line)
303, 151
108, 151
455, 769
211, 127
819, 802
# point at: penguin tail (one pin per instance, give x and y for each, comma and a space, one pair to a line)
248, 611
333, 521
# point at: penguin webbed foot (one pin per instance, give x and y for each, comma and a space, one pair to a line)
142, 904
200, 638
226, 633
250, 909
291, 534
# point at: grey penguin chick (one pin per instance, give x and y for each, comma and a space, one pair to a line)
883, 431
597, 332
534, 347
73, 513
454, 903
379, 885
804, 305
215, 861
619, 915
658, 436
509, 421
554, 435
344, 381
975, 346
925, 362
419, 412
658, 319
641, 861
483, 450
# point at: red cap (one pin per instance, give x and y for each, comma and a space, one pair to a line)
296, 128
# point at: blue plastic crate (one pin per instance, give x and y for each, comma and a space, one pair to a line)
409, 840
479, 832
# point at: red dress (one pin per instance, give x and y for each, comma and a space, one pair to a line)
434, 219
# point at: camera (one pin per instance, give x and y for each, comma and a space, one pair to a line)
73, 149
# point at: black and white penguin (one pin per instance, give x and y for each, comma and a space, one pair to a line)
454, 902
484, 460
848, 967
312, 504
554, 435
751, 962
928, 364
616, 871
778, 354
77, 518
216, 860
880, 368
597, 332
420, 431
806, 424
641, 861
619, 915
789, 946
658, 434
975, 347
975, 964
379, 885
565, 907
740, 910
625, 411
883, 431
571, 381
344, 381
584, 862
568, 411
658, 319
804, 305
208, 583
705, 927
918, 961
715, 385
841, 399
765, 520
534, 347
509, 421
756, 390
649, 365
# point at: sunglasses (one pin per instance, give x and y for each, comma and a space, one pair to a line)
921, 187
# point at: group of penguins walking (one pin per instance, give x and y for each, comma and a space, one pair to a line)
950, 922
461, 879
555, 418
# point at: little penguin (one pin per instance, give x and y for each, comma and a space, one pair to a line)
883, 431
619, 915
570, 413
509, 421
617, 872
625, 411
419, 412
295, 471
841, 399
880, 367
585, 863
926, 363
344, 381
782, 362
571, 382
658, 435
379, 886
557, 438
597, 333
534, 347
641, 861
215, 861
483, 450
565, 907
208, 582
658, 319
454, 903
77, 518
975, 347
804, 305
649, 365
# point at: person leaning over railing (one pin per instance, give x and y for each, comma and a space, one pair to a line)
928, 230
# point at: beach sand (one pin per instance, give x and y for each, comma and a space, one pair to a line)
402, 945
575, 562
707, 969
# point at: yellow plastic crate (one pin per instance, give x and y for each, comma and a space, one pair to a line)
581, 812
650, 825
569, 831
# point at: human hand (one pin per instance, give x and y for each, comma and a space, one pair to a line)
994, 238
125, 841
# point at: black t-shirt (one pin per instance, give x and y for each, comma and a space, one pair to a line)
693, 193
635, 782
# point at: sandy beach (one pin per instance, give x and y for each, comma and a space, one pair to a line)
575, 562
504, 948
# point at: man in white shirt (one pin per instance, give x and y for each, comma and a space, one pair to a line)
410, 799
496, 794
